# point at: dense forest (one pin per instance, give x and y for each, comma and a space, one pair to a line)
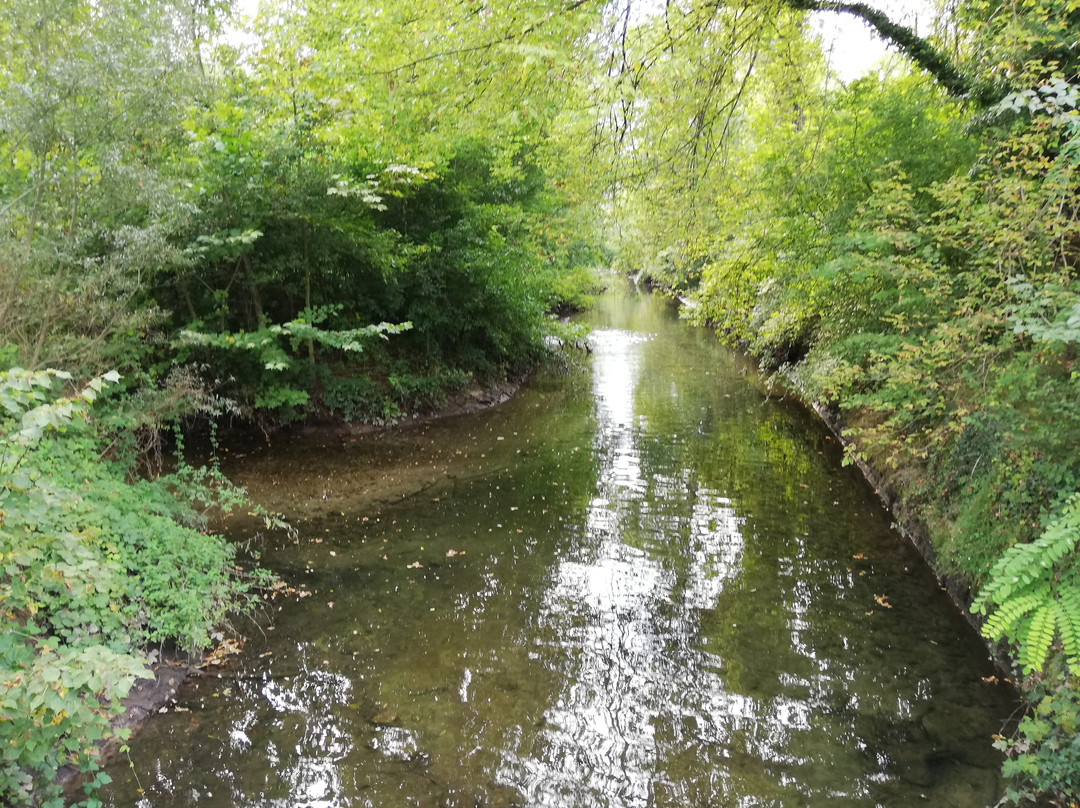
350, 211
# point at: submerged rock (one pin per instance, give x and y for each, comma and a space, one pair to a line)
384, 718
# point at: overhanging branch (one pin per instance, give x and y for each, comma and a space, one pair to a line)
911, 44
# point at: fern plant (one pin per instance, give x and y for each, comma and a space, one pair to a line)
1033, 594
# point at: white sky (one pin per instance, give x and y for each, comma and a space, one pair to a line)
855, 50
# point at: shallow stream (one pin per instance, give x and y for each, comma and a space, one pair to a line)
640, 582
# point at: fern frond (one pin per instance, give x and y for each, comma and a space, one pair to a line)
1067, 613
1033, 594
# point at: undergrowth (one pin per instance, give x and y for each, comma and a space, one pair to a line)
97, 567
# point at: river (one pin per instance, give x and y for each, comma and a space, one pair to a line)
640, 582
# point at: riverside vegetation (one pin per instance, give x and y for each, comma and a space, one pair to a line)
194, 232
368, 208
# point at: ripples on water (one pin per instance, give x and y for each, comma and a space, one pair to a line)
640, 584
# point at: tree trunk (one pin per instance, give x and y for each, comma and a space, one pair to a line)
253, 291
307, 288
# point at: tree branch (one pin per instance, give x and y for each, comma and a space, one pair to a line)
910, 43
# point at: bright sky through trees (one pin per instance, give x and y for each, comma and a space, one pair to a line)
854, 49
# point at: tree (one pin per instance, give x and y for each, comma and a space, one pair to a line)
89, 92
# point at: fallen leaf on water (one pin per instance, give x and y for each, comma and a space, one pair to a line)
330, 604
226, 648
414, 566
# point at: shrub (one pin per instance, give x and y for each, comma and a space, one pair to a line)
94, 566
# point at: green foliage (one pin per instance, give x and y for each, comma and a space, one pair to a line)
912, 262
154, 179
425, 390
574, 290
87, 95
264, 361
94, 566
1044, 755
1049, 314
223, 226
358, 398
1032, 595
268, 343
805, 240
55, 705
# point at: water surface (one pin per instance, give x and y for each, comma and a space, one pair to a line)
642, 582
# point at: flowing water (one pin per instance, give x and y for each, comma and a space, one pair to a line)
641, 582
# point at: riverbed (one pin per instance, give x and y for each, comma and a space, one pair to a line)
643, 581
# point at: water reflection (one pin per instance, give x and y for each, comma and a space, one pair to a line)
615, 610
645, 585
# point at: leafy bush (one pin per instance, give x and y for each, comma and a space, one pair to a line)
428, 389
94, 567
359, 398
355, 398
936, 289
264, 370
1044, 756
573, 290
1033, 594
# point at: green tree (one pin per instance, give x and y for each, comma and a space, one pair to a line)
89, 96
